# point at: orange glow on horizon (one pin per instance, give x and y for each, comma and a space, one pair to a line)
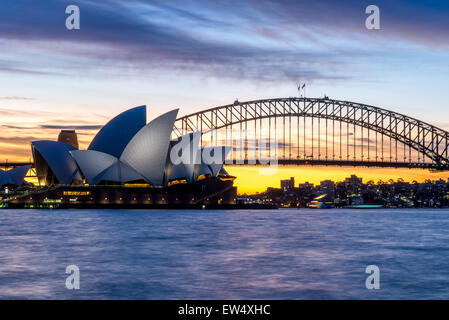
250, 180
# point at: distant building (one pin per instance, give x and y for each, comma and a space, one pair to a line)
353, 184
306, 187
69, 137
352, 191
288, 184
327, 187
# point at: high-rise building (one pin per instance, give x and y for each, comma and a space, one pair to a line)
68, 137
327, 187
288, 184
306, 187
353, 184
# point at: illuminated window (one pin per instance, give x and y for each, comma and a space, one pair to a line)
76, 193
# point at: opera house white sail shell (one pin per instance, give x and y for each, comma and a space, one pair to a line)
53, 163
183, 157
210, 161
116, 134
99, 166
215, 157
13, 177
147, 150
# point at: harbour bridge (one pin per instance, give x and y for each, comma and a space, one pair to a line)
316, 131
320, 131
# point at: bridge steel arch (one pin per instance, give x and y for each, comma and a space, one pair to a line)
427, 140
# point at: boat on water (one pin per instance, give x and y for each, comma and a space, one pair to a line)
359, 203
322, 202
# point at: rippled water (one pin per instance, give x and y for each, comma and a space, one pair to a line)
255, 254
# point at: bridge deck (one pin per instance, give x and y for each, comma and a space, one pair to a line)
302, 162
240, 162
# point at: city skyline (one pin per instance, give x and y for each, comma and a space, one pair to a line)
354, 193
249, 180
200, 55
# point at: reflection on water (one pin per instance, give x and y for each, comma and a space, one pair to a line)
255, 254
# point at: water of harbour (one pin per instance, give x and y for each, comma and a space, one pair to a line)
254, 254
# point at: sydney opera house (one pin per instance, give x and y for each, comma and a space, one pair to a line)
129, 163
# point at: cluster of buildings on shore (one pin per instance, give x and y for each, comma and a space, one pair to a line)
353, 192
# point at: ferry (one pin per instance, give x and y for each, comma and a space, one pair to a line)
321, 202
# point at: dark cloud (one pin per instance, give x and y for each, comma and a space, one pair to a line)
21, 142
421, 22
119, 35
54, 127
74, 127
191, 36
17, 127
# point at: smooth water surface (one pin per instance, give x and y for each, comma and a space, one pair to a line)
253, 254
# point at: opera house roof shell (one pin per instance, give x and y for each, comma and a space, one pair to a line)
128, 150
120, 131
14, 177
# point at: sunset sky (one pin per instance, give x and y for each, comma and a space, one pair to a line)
200, 54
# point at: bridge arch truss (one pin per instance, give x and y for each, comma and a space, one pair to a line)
323, 132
